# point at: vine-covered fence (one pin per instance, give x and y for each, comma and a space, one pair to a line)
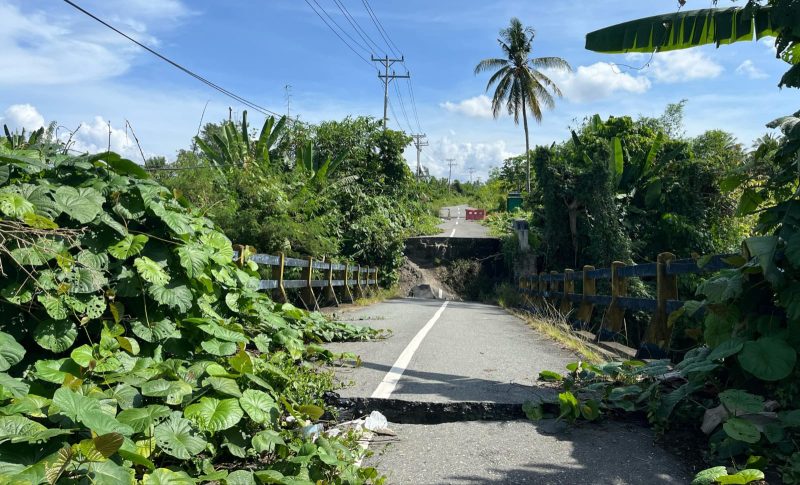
318, 282
558, 290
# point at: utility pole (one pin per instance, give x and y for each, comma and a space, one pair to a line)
387, 78
450, 163
471, 171
419, 143
288, 89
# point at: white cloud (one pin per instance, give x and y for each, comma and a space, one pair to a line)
43, 48
477, 107
747, 68
597, 81
479, 156
678, 66
22, 116
97, 135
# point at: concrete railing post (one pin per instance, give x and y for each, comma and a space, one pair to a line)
589, 289
307, 293
659, 333
329, 289
279, 294
569, 289
614, 320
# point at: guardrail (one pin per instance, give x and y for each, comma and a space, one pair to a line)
558, 290
339, 283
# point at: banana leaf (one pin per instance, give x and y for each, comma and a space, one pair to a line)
682, 30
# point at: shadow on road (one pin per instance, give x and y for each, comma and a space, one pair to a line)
421, 385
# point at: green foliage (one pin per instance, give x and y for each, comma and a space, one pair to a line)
339, 190
625, 190
741, 386
122, 356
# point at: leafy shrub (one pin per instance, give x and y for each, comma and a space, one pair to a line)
133, 348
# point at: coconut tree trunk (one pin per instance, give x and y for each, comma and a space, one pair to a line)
527, 142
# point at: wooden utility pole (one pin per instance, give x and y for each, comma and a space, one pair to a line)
419, 143
471, 171
387, 78
450, 163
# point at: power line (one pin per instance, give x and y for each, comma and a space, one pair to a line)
200, 78
381, 30
357, 26
335, 32
413, 102
365, 49
403, 108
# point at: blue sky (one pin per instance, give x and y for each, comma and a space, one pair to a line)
57, 64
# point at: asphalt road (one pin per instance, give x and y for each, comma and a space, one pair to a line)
458, 226
475, 352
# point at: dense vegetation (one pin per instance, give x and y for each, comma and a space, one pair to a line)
339, 190
133, 349
737, 386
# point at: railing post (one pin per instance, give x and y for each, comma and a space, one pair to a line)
377, 283
359, 288
614, 320
330, 290
542, 290
569, 288
307, 293
346, 295
279, 294
554, 300
659, 332
589, 289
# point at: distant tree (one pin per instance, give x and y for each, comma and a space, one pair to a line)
520, 84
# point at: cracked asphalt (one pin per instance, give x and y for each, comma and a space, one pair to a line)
477, 352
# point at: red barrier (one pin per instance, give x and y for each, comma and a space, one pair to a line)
476, 214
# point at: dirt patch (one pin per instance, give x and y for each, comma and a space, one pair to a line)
417, 281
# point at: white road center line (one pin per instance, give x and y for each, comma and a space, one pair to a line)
386, 387
453, 233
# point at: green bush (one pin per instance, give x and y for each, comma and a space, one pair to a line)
133, 348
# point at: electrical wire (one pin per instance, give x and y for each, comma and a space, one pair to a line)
403, 108
357, 27
357, 43
200, 78
337, 34
413, 104
381, 30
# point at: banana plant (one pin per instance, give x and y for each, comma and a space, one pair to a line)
686, 29
627, 176
319, 173
232, 146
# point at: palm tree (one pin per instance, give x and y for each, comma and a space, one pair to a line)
520, 85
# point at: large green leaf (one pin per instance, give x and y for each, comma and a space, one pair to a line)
88, 412
682, 30
83, 204
259, 406
131, 245
173, 391
13, 386
742, 430
151, 271
768, 358
165, 476
176, 437
741, 402
174, 295
616, 162
55, 335
213, 414
764, 248
11, 352
193, 258
141, 419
